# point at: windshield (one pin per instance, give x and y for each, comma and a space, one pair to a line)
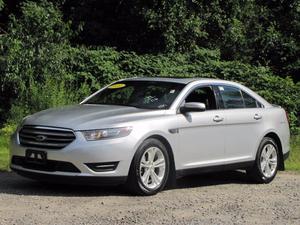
140, 94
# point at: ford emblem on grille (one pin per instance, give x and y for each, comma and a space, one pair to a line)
40, 138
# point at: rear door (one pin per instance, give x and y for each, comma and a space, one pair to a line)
243, 125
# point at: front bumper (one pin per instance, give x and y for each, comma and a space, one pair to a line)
81, 154
64, 179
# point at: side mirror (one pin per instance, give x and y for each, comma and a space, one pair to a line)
193, 107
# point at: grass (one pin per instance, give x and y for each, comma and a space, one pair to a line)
4, 146
293, 162
4, 153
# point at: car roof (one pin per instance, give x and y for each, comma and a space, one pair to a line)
168, 79
187, 81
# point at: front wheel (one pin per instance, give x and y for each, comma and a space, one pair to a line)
266, 164
149, 169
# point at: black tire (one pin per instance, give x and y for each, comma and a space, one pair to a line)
134, 182
255, 173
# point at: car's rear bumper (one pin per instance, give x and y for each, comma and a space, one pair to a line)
66, 179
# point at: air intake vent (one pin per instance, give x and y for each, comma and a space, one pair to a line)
50, 166
45, 137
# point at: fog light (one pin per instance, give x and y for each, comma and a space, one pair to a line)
103, 167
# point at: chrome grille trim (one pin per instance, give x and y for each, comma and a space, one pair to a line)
45, 137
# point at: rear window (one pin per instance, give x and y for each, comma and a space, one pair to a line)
250, 102
231, 97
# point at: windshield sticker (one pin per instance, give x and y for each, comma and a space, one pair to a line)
221, 88
172, 91
116, 86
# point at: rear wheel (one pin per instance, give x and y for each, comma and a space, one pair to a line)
267, 161
150, 168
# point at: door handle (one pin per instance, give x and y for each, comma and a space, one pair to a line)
218, 118
257, 116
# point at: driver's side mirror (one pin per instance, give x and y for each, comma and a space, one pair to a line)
192, 107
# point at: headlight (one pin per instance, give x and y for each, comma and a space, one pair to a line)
94, 135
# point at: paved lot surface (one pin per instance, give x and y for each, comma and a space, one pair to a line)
223, 198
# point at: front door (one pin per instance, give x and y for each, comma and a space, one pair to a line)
201, 133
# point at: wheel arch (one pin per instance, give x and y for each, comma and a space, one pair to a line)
276, 138
172, 174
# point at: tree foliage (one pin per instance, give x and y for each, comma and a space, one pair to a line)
257, 32
35, 59
47, 61
254, 31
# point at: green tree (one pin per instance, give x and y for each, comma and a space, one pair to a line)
179, 24
43, 64
257, 32
35, 61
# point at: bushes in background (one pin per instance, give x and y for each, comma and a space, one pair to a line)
40, 69
88, 70
199, 63
35, 57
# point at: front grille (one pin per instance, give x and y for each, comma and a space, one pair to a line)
45, 137
49, 166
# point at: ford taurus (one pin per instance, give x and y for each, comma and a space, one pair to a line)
146, 132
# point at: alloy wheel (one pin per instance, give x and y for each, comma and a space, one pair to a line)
268, 160
152, 167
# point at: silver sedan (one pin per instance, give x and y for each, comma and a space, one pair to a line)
146, 132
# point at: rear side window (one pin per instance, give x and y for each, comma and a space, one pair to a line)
231, 97
250, 102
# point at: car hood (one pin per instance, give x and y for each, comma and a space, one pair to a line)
85, 117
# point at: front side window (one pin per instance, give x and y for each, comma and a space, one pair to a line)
231, 97
140, 94
203, 95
